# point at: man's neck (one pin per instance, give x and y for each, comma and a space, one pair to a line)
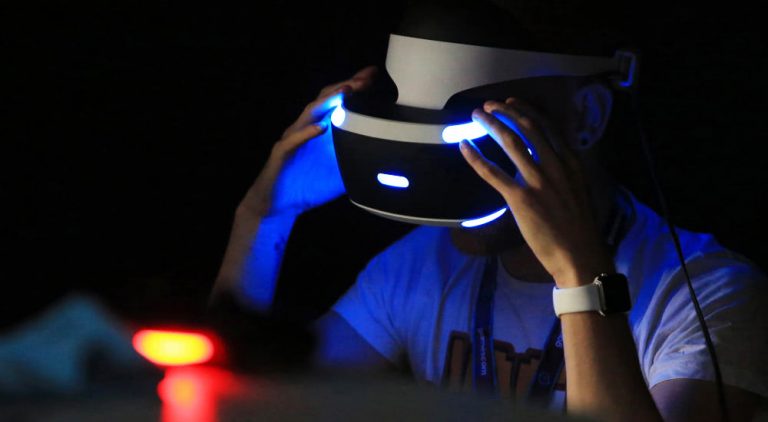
521, 263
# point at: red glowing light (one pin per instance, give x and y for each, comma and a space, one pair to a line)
173, 348
192, 394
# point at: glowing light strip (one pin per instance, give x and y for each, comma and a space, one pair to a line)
483, 220
393, 180
456, 133
395, 130
173, 348
338, 116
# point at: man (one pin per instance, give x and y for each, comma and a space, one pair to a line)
569, 223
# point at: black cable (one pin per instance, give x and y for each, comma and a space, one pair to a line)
663, 204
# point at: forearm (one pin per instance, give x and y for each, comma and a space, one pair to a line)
604, 376
298, 175
252, 261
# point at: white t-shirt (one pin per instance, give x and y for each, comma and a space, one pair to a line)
416, 300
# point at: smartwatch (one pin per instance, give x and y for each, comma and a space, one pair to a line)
608, 294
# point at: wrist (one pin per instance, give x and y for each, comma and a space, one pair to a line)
607, 294
252, 212
251, 263
576, 276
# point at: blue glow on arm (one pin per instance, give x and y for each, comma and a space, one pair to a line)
483, 220
471, 130
261, 269
393, 180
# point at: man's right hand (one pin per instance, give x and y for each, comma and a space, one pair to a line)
301, 172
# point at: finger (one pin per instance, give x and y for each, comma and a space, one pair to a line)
556, 141
488, 170
526, 126
332, 88
364, 78
567, 157
537, 132
529, 110
512, 144
318, 109
288, 144
358, 82
329, 97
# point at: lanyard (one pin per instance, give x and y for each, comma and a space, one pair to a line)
550, 368
484, 370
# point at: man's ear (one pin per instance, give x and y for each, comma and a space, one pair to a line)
593, 103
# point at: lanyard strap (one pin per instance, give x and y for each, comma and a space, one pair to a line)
484, 369
550, 367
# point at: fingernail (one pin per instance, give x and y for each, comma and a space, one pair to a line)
322, 126
510, 100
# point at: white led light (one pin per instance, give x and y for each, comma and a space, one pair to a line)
483, 220
456, 133
338, 116
393, 180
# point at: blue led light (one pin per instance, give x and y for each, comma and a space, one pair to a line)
335, 101
338, 116
483, 220
471, 130
393, 180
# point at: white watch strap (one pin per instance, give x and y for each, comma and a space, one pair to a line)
576, 299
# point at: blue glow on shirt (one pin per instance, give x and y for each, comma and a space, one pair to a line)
393, 180
338, 116
471, 130
483, 220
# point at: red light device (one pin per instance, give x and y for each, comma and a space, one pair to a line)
173, 348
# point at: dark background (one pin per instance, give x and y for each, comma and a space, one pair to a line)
129, 134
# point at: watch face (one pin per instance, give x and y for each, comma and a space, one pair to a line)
615, 293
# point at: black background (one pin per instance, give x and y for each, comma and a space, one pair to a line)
130, 133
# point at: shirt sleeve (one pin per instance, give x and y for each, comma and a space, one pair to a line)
365, 306
732, 294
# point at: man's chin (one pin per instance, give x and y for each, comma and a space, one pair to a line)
489, 239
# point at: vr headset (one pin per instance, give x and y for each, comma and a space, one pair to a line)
400, 160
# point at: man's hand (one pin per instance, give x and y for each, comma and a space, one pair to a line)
301, 172
550, 202
548, 197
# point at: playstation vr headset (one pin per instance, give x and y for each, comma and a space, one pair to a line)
400, 159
